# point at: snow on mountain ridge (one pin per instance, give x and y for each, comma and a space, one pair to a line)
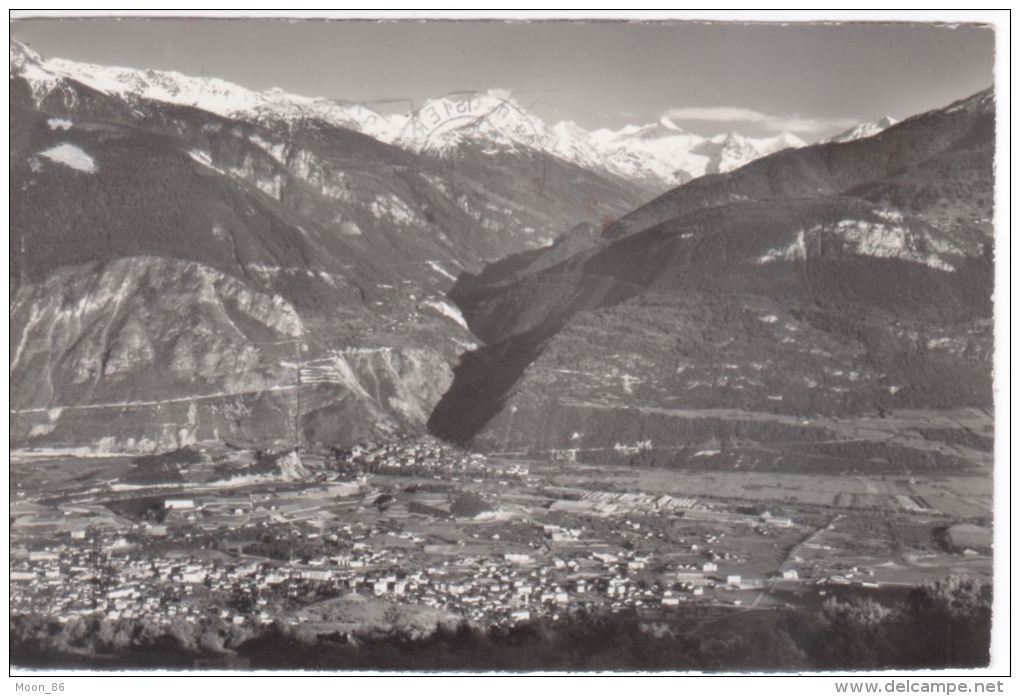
982, 101
442, 123
207, 93
661, 154
862, 130
781, 142
666, 151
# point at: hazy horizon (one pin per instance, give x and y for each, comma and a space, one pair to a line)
812, 79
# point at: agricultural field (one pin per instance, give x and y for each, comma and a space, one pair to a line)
902, 443
958, 496
354, 612
40, 471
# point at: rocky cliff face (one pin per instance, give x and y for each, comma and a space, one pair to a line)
178, 273
149, 353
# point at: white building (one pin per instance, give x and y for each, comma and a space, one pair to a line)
321, 575
179, 504
518, 558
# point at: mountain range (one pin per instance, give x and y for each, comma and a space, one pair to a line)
659, 155
191, 260
784, 302
181, 271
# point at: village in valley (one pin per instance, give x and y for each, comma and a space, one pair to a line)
417, 533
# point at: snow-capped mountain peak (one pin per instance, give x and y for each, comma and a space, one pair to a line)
735, 138
862, 130
736, 151
21, 54
659, 154
207, 93
785, 140
443, 123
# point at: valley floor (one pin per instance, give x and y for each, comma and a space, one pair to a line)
416, 535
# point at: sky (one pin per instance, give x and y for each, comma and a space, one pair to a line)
814, 80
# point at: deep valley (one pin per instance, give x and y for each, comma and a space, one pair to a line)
300, 384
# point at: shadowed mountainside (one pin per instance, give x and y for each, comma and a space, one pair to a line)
834, 279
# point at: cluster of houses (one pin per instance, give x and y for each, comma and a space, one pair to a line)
426, 458
641, 501
68, 581
375, 556
519, 587
111, 579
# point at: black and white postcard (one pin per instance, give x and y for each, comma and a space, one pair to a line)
462, 344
